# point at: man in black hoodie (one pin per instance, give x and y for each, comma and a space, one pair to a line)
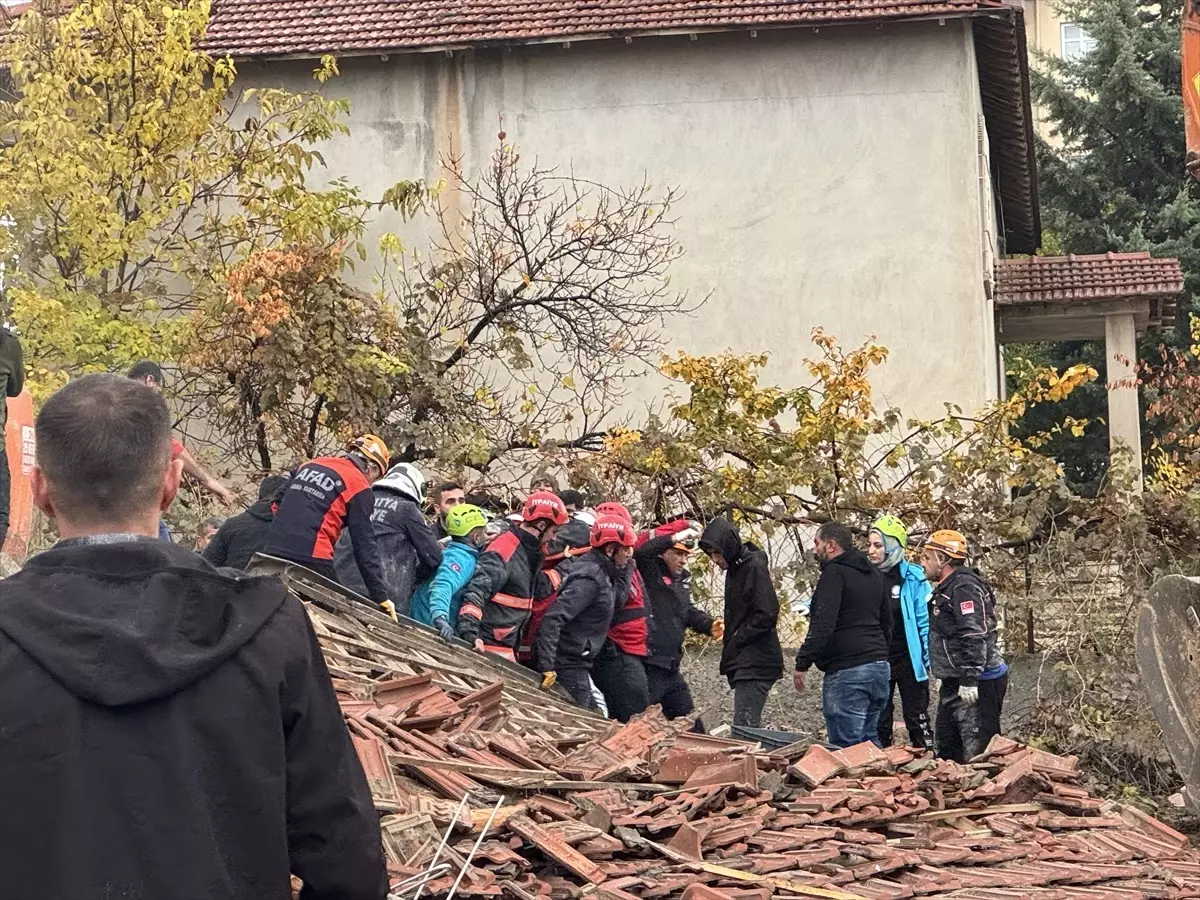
236, 542
751, 657
12, 381
847, 639
170, 729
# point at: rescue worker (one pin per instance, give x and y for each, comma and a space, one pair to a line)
12, 382
236, 542
661, 559
620, 668
572, 541
963, 650
908, 654
409, 551
322, 498
751, 657
446, 496
576, 625
437, 601
499, 597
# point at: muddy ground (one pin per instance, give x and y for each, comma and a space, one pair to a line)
790, 711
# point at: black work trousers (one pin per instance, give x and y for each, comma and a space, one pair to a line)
914, 705
963, 731
5, 488
749, 699
668, 687
621, 678
579, 686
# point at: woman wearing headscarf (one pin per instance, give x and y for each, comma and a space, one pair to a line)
908, 593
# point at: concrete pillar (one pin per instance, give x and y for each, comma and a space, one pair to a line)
1124, 418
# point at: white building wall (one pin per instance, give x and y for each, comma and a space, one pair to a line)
829, 178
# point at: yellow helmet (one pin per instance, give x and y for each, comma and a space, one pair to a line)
373, 448
951, 543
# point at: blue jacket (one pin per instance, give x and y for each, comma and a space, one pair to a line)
914, 603
442, 594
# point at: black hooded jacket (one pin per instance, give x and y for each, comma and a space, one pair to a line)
851, 622
236, 541
170, 732
576, 625
751, 650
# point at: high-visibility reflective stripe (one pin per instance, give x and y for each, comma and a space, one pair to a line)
472, 611
525, 603
555, 578
499, 650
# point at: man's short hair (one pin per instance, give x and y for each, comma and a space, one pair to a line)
213, 522
103, 443
443, 487
147, 369
269, 486
838, 533
571, 498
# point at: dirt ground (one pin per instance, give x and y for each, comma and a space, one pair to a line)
790, 711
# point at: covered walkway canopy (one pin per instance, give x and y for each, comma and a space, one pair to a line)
1109, 296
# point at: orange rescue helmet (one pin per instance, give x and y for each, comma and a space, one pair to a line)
371, 447
951, 543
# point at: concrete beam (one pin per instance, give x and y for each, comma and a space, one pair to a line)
1124, 417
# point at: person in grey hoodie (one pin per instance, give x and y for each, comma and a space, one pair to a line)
408, 547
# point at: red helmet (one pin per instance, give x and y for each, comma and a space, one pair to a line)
611, 529
614, 509
544, 505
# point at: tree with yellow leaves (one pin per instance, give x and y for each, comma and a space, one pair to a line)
137, 175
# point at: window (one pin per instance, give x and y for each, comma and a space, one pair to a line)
1076, 42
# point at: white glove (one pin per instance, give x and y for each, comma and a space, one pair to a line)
688, 534
968, 694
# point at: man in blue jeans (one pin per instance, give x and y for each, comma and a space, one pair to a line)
851, 623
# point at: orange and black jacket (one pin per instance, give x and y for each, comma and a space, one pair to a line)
321, 498
498, 600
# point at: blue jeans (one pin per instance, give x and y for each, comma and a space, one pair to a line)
852, 700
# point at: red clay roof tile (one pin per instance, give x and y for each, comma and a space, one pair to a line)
1103, 276
306, 27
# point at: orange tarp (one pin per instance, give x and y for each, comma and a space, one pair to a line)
18, 439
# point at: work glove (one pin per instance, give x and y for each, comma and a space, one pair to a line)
390, 608
718, 629
549, 679
443, 628
968, 694
479, 646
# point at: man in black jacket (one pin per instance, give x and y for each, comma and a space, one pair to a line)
576, 625
236, 542
170, 728
848, 639
662, 560
751, 657
12, 381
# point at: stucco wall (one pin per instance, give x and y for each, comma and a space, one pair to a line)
830, 179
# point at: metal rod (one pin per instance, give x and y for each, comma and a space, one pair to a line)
475, 849
445, 840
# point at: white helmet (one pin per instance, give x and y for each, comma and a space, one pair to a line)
405, 479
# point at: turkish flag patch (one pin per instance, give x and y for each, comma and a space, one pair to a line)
967, 607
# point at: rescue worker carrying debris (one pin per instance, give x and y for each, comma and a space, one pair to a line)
498, 600
325, 496
963, 650
662, 562
577, 623
409, 551
437, 601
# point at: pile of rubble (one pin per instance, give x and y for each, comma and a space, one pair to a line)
562, 804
